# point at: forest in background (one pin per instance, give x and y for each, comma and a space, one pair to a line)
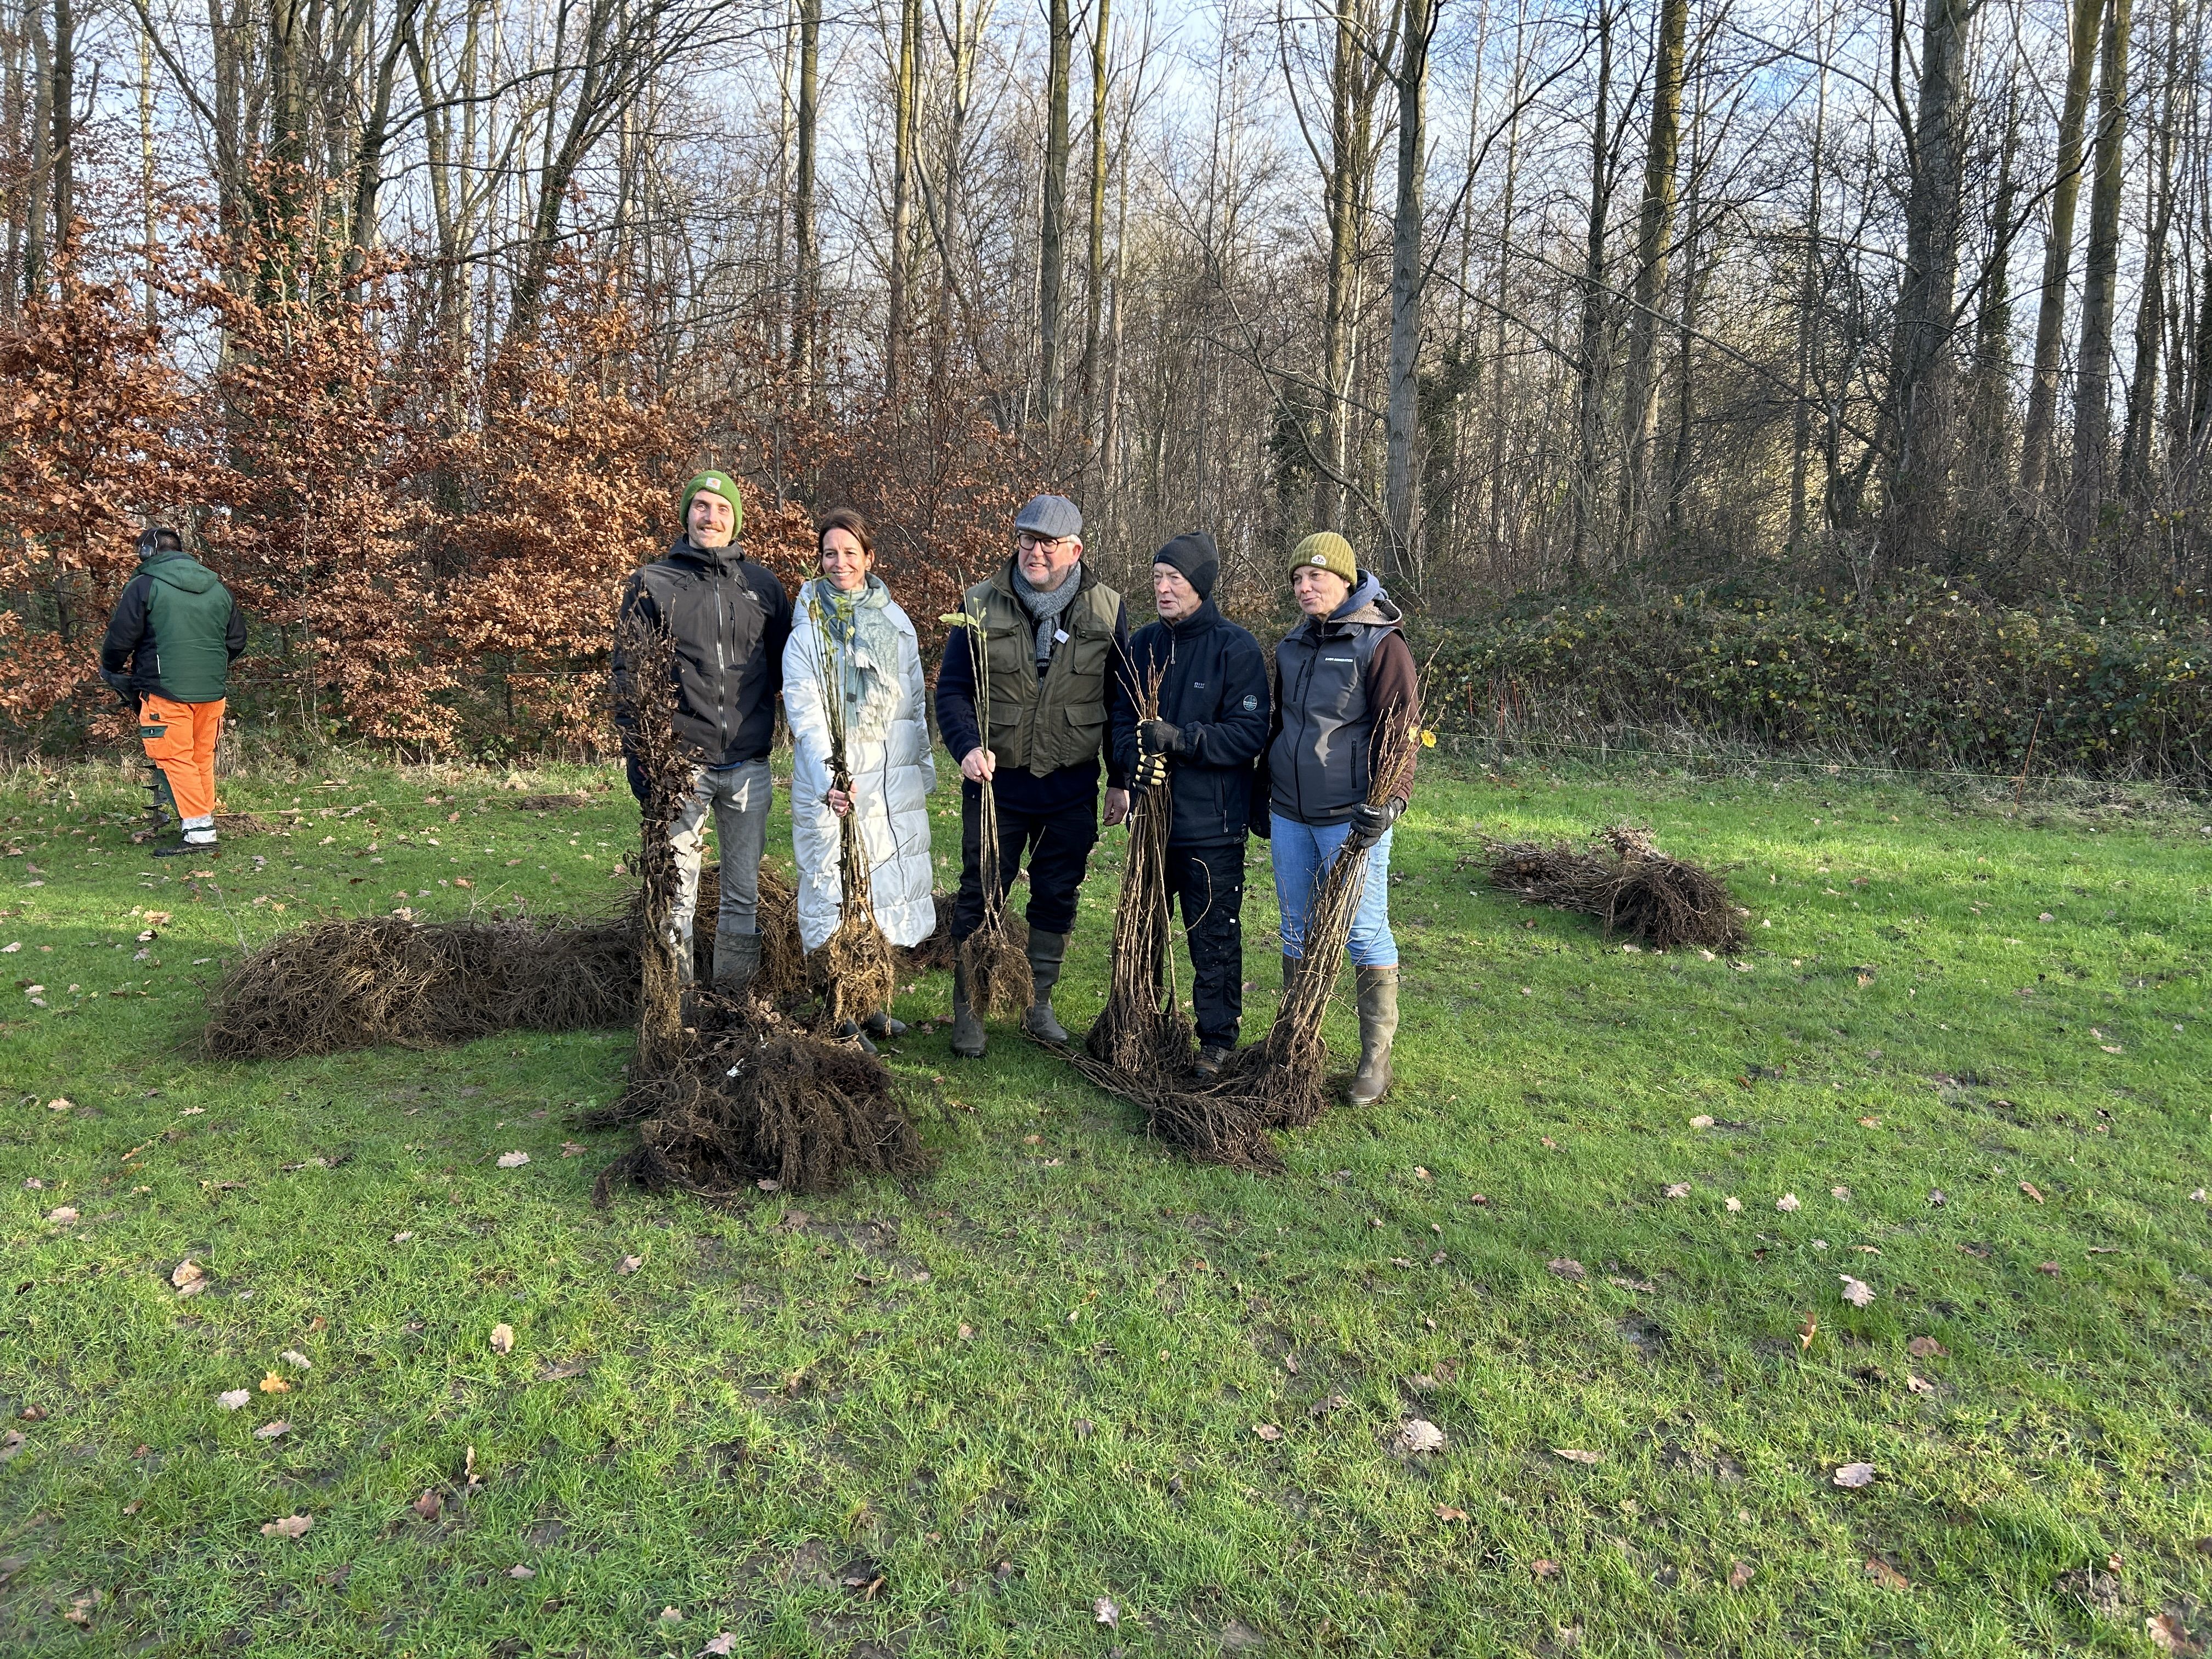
1676, 360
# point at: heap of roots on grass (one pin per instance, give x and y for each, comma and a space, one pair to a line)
736, 1093
757, 1097
1627, 883
356, 983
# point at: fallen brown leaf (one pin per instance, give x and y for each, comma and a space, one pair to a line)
2028, 1187
1852, 1476
1572, 1455
1566, 1267
1545, 1569
1923, 1347
291, 1526
273, 1383
1416, 1437
1104, 1611
1740, 1574
502, 1339
1446, 1512
271, 1431
428, 1505
1885, 1574
1267, 1431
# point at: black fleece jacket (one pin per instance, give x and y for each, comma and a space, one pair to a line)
1214, 688
730, 618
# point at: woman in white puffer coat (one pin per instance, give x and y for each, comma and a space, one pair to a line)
887, 749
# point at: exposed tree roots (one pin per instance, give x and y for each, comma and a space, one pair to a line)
1627, 884
758, 1097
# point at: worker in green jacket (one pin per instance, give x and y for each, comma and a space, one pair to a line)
170, 643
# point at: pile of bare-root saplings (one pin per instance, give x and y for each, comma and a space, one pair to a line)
1624, 880
730, 1091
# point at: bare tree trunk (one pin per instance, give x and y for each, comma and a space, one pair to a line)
806, 292
63, 117
1989, 401
1407, 280
1351, 102
2058, 252
2136, 444
1593, 349
1095, 270
1655, 229
1809, 332
2100, 266
146, 162
42, 156
902, 123
1922, 424
1052, 239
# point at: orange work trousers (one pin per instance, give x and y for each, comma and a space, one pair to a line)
180, 739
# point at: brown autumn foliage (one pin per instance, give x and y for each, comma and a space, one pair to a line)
429, 552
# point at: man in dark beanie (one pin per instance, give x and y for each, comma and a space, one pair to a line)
729, 618
1211, 726
1056, 645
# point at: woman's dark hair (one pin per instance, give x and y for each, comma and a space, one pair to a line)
845, 519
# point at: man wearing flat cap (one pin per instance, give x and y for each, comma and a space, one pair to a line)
1056, 639
1204, 746
729, 618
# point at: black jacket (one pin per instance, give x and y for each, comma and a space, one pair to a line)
1339, 683
1213, 687
175, 631
730, 618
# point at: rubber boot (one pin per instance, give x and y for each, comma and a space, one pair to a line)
737, 959
1290, 965
881, 1026
852, 1029
967, 1030
1047, 952
1378, 1024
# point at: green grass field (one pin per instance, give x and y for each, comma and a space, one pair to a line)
1069, 1377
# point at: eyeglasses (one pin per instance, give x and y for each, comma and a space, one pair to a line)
1027, 543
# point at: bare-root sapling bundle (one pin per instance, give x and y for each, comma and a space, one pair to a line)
762, 1098
853, 970
1627, 883
1286, 1077
999, 979
360, 983
1140, 1032
644, 698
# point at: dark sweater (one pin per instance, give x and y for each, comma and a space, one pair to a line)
730, 618
1214, 687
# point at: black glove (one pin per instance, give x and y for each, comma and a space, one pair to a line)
1371, 823
1152, 771
119, 684
635, 774
1161, 737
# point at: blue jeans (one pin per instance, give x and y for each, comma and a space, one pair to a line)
1301, 853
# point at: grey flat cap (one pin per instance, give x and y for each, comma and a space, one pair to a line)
1048, 518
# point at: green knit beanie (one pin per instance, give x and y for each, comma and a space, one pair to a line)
712, 484
1327, 551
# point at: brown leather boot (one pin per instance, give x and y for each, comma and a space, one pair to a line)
1378, 1024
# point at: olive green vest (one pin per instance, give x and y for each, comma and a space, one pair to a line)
1036, 725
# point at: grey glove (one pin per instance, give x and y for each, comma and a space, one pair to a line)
1371, 823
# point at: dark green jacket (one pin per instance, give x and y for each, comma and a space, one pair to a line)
1040, 723
178, 629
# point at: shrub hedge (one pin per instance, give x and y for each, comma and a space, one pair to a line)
1924, 677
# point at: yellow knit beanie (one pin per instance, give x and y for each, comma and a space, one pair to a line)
1327, 551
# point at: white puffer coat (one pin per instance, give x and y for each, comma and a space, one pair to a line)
887, 750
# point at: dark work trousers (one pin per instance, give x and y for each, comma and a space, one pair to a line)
1208, 882
1058, 844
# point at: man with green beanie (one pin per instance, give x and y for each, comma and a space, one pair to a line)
1344, 677
729, 618
170, 643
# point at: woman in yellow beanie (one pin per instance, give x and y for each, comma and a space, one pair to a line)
1339, 676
